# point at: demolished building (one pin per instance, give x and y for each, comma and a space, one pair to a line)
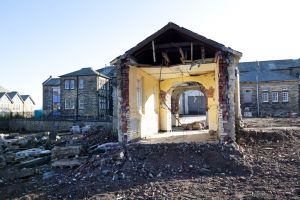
151, 75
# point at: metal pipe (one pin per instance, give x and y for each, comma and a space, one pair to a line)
257, 88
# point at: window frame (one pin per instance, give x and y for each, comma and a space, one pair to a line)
81, 84
69, 104
265, 100
81, 104
283, 96
276, 100
69, 84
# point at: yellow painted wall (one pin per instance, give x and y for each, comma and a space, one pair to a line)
208, 80
143, 122
153, 117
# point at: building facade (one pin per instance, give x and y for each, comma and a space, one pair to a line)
51, 97
270, 88
149, 74
82, 94
12, 104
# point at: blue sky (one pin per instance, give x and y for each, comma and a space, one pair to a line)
39, 38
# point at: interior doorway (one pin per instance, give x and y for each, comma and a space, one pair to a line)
189, 107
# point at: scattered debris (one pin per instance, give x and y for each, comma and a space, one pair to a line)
265, 165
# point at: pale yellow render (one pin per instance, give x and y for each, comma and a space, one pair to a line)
152, 117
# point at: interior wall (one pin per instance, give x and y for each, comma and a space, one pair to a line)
209, 80
143, 122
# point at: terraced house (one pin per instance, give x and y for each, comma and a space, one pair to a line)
82, 94
14, 104
270, 88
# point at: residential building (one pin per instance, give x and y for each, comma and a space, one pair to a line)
17, 103
151, 76
270, 88
5, 104
51, 97
82, 94
28, 106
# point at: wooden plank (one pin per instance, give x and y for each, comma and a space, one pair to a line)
153, 49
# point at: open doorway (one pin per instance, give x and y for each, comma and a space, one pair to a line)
189, 107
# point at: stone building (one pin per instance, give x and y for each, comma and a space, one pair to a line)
51, 97
270, 88
149, 74
82, 94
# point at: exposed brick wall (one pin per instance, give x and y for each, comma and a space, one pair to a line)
223, 81
122, 71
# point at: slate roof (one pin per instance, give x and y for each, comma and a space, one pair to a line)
268, 70
2, 89
3, 94
88, 71
270, 64
107, 71
265, 76
52, 82
13, 94
25, 97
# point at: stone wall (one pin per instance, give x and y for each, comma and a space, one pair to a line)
270, 108
89, 95
47, 98
49, 125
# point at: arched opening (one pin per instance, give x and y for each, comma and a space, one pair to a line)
189, 107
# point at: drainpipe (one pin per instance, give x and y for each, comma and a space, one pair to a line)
257, 88
77, 101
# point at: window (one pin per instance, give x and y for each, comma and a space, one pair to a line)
274, 96
285, 96
81, 83
69, 104
103, 103
69, 84
81, 103
139, 94
247, 95
265, 97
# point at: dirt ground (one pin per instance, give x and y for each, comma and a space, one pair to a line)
265, 165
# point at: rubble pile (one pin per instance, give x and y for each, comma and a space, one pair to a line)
265, 165
25, 155
253, 136
66, 156
147, 161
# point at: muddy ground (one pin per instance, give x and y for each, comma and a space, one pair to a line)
264, 166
